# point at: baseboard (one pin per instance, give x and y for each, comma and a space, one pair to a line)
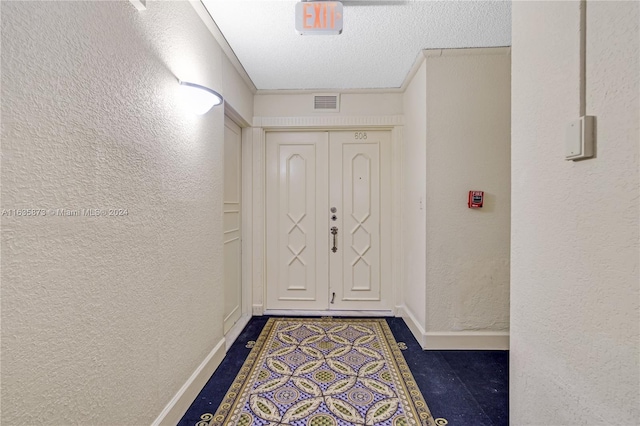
469, 340
453, 340
182, 400
257, 310
413, 324
235, 331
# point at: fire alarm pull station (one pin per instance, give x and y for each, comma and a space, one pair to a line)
476, 198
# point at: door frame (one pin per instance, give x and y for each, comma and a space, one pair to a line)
240, 309
254, 210
246, 230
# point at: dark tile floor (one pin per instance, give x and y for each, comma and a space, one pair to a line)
463, 387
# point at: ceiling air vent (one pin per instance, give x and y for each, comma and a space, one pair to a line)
326, 102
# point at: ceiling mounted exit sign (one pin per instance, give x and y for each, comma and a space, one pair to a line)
319, 17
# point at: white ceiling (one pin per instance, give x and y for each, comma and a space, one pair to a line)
377, 48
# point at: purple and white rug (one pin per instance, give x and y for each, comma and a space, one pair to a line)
323, 372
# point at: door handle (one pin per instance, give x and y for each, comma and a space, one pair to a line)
334, 232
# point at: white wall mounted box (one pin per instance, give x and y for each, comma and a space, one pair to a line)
580, 138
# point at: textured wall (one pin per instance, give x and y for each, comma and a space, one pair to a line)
575, 258
468, 139
414, 195
104, 318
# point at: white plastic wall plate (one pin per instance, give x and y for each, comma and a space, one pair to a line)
580, 138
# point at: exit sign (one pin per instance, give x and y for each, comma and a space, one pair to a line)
319, 17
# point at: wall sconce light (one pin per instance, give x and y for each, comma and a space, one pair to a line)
199, 99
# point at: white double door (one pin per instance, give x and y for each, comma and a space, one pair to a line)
328, 220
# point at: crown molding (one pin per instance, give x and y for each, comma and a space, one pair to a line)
383, 90
211, 25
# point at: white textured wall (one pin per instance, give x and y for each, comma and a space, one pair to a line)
414, 197
468, 141
103, 319
575, 319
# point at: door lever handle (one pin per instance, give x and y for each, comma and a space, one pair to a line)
334, 232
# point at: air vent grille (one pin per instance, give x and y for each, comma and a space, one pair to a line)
326, 103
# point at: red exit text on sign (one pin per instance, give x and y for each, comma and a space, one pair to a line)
319, 17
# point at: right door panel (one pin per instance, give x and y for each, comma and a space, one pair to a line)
359, 181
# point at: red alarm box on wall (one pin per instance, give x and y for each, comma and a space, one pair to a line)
476, 198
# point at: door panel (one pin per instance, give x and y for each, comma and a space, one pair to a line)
297, 179
356, 269
308, 173
231, 224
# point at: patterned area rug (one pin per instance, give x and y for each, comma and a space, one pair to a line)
324, 372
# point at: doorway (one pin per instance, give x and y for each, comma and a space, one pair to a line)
328, 218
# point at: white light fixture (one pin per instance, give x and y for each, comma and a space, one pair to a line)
199, 99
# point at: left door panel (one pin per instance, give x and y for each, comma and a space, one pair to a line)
232, 221
297, 242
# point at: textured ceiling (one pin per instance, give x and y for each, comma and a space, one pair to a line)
376, 49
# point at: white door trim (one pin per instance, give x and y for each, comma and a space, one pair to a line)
246, 227
397, 146
232, 229
254, 178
